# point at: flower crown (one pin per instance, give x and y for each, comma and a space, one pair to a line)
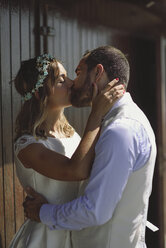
42, 63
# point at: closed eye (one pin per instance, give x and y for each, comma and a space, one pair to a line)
61, 81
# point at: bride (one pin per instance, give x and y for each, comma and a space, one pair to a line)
50, 157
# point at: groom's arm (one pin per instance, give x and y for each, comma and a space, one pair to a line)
116, 154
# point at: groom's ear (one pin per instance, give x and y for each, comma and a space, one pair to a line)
98, 72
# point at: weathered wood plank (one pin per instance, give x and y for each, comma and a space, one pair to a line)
2, 209
57, 41
16, 103
50, 38
32, 28
25, 38
7, 126
162, 133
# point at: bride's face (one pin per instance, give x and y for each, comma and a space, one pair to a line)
61, 91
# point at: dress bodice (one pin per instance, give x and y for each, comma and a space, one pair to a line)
37, 235
55, 191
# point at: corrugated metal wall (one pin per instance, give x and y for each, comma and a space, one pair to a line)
68, 44
20, 39
16, 44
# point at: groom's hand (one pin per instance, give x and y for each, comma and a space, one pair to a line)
32, 204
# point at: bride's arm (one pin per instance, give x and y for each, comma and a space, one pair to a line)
57, 166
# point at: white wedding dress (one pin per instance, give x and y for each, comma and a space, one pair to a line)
37, 235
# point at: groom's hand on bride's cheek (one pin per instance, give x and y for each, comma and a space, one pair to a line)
32, 204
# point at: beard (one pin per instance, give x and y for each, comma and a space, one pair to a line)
82, 97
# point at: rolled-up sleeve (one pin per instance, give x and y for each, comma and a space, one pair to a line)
117, 151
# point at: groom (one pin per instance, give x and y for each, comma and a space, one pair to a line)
112, 210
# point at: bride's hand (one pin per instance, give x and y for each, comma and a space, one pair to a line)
104, 101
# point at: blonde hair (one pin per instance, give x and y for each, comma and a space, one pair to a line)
33, 113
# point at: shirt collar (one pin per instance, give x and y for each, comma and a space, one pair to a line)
126, 98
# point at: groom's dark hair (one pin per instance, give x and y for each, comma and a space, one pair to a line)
113, 60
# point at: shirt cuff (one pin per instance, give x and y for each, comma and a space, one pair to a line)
47, 215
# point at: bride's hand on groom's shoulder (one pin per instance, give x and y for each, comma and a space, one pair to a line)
32, 204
